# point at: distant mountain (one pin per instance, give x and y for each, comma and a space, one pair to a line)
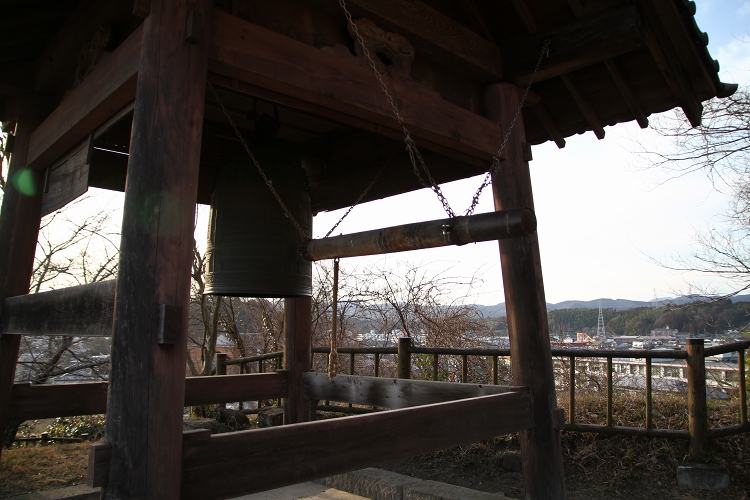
498, 310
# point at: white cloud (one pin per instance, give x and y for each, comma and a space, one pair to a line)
734, 58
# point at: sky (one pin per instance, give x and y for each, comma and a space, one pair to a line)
604, 222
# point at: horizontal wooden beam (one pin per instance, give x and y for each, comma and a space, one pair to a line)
228, 465
67, 179
392, 393
79, 311
585, 41
264, 58
628, 431
432, 33
29, 402
101, 95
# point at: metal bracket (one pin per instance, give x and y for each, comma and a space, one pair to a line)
194, 27
558, 419
169, 329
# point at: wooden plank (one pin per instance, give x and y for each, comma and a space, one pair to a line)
100, 455
264, 58
433, 34
297, 357
585, 107
581, 43
549, 124
109, 87
619, 430
526, 17
224, 466
147, 381
526, 308
67, 179
626, 93
19, 229
232, 388
31, 402
80, 311
393, 392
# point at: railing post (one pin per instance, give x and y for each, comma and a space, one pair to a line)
351, 364
404, 358
697, 412
377, 364
649, 403
609, 391
743, 387
495, 375
221, 367
434, 367
572, 389
464, 368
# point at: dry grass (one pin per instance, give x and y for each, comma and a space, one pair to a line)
34, 468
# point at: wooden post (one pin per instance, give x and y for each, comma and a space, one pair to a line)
649, 402
531, 354
297, 356
403, 360
435, 367
377, 364
743, 388
19, 229
494, 370
609, 392
697, 411
221, 367
147, 381
572, 389
464, 368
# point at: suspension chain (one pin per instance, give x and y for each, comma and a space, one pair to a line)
414, 155
268, 181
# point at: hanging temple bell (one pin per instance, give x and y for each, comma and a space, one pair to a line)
253, 249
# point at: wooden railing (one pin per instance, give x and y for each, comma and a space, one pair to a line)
695, 356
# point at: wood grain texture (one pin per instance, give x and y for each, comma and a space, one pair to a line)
224, 466
442, 37
526, 309
585, 41
264, 58
19, 228
68, 179
697, 409
81, 311
392, 392
109, 87
147, 382
31, 402
585, 107
297, 357
231, 388
99, 461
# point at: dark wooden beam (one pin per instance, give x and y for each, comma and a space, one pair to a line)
549, 124
432, 33
232, 388
109, 88
224, 466
393, 393
576, 7
584, 106
526, 17
627, 93
80, 311
585, 41
147, 380
19, 228
266, 59
66, 179
526, 309
297, 356
471, 8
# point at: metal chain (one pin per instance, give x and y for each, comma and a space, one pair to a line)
367, 189
496, 158
268, 181
414, 154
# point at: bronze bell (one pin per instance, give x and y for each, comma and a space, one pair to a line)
253, 248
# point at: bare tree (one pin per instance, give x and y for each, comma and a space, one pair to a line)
720, 148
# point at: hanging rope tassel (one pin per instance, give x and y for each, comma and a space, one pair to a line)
333, 357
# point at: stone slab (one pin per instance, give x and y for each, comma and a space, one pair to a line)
703, 477
303, 491
79, 492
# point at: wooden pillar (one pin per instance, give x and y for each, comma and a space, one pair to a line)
403, 358
147, 381
19, 230
697, 411
297, 356
531, 355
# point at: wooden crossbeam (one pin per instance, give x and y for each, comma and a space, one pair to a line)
583, 42
549, 124
392, 393
266, 59
585, 107
30, 402
228, 465
431, 32
627, 93
109, 87
526, 17
79, 311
